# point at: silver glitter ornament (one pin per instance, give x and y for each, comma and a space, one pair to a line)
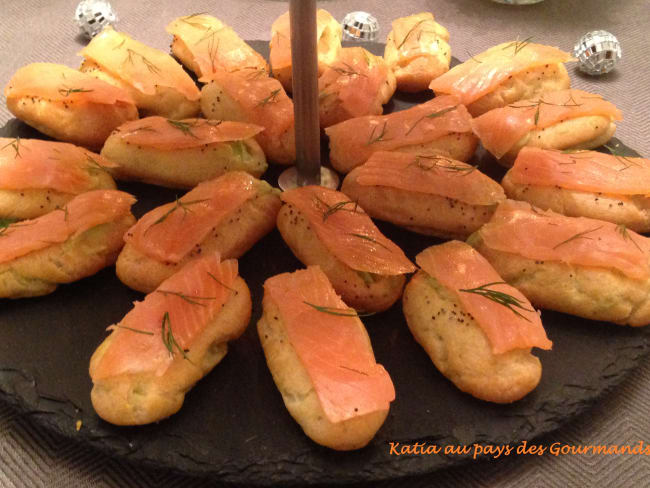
597, 52
360, 26
93, 15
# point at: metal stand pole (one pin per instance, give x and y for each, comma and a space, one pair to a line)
304, 58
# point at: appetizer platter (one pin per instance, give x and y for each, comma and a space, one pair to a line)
240, 277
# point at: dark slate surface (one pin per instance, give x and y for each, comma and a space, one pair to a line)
234, 426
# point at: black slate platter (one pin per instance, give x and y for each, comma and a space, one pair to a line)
234, 427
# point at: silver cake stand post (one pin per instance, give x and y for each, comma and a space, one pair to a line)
304, 60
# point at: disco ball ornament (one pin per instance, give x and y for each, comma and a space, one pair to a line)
597, 52
93, 15
360, 26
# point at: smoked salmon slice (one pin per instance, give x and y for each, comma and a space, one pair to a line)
33, 163
332, 344
78, 215
433, 175
591, 171
472, 279
165, 134
358, 83
519, 228
500, 129
55, 82
263, 102
169, 232
328, 32
347, 231
352, 142
213, 46
482, 73
139, 65
162, 329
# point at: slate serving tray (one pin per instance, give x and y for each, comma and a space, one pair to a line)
234, 426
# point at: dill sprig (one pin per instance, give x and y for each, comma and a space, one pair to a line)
622, 230
198, 25
257, 73
63, 209
472, 57
519, 45
381, 137
508, 301
341, 312
168, 337
4, 225
192, 299
94, 165
432, 115
130, 53
579, 235
272, 98
179, 205
15, 144
441, 162
573, 155
569, 103
369, 239
337, 207
348, 70
213, 50
184, 127
7, 224
220, 282
210, 33
66, 92
408, 34
253, 72
139, 331
627, 162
